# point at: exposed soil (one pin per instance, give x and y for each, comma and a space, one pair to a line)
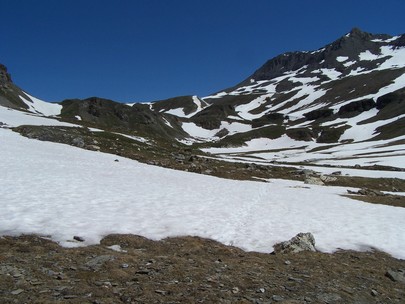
189, 270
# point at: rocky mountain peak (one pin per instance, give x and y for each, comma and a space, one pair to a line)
4, 75
358, 33
335, 55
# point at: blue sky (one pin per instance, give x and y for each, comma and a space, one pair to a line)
133, 50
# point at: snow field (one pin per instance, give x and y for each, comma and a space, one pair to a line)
39, 106
62, 191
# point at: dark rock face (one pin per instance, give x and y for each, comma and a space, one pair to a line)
330, 135
119, 117
302, 134
4, 75
357, 107
211, 117
394, 97
320, 113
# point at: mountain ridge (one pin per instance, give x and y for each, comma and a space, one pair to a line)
348, 92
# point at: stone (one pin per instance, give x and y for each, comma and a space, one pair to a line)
97, 262
313, 180
327, 178
78, 142
78, 238
396, 275
300, 242
374, 293
17, 292
277, 298
93, 147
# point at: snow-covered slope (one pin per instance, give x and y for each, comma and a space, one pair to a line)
346, 93
36, 105
61, 191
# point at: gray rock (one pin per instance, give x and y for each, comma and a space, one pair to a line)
97, 262
300, 242
396, 275
17, 292
374, 293
277, 298
93, 147
327, 178
78, 238
313, 180
78, 142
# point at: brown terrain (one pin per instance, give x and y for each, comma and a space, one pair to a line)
190, 270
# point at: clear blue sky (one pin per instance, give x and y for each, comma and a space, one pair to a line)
133, 50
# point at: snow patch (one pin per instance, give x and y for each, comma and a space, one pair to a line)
63, 191
41, 107
341, 58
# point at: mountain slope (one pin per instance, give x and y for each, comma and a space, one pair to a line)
349, 91
340, 105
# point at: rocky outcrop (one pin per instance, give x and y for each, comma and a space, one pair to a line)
300, 242
357, 107
4, 75
317, 114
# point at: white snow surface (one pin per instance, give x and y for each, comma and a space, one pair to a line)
39, 106
341, 58
179, 112
200, 133
62, 191
14, 118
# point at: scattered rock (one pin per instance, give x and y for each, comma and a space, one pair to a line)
367, 192
300, 242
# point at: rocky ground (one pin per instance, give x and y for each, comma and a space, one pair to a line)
132, 269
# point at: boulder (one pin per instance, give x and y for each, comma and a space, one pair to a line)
313, 180
396, 275
300, 242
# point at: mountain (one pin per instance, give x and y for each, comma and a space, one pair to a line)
342, 95
340, 105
